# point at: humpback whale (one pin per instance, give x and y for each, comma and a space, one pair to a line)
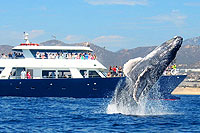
143, 73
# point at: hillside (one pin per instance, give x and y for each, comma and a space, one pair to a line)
192, 41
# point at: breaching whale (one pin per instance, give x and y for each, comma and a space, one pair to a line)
143, 73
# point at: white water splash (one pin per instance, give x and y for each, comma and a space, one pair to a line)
143, 107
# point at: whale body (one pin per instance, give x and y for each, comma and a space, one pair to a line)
143, 73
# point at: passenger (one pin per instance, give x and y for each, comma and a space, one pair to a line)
168, 70
85, 74
174, 66
82, 57
56, 56
28, 75
21, 55
108, 75
53, 56
37, 55
53, 75
95, 57
23, 74
66, 76
89, 56
173, 70
69, 56
72, 56
114, 71
92, 57
110, 70
66, 56
46, 55
13, 55
61, 56
86, 56
75, 55
120, 71
10, 75
10, 55
78, 56
3, 56
117, 71
18, 55
43, 56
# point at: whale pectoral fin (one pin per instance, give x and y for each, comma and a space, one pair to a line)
129, 65
141, 84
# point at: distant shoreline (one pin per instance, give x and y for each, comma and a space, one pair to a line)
186, 91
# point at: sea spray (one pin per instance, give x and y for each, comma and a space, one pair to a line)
123, 103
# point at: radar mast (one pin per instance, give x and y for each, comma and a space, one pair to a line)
26, 38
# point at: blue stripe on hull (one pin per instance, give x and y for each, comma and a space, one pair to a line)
77, 88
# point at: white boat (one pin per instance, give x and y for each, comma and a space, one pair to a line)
60, 71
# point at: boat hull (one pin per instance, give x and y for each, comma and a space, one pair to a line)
164, 87
76, 88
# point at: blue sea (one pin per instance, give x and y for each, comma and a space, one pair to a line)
19, 114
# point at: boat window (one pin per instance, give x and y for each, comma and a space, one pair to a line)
48, 73
84, 73
1, 69
64, 74
16, 72
93, 74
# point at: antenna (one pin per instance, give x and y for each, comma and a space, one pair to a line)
26, 38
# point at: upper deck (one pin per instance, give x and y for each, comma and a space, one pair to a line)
49, 52
33, 50
69, 49
42, 61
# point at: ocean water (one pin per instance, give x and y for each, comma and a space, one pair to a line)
19, 114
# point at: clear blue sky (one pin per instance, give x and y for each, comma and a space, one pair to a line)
115, 24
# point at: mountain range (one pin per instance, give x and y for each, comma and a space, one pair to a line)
187, 57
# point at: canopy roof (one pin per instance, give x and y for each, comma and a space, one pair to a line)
64, 48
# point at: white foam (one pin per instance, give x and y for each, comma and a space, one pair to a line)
144, 106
